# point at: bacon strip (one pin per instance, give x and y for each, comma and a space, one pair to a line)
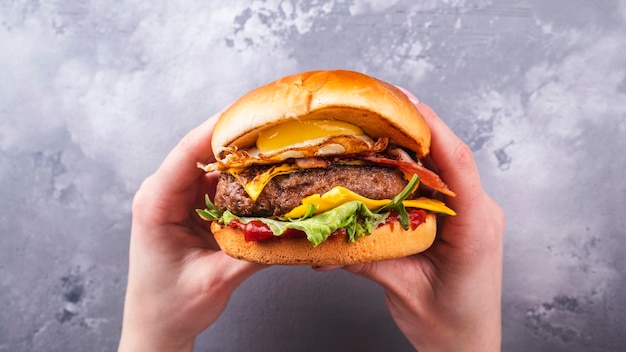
312, 163
427, 177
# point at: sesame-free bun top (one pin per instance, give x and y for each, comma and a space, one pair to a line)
379, 108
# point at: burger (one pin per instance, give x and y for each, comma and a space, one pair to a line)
323, 168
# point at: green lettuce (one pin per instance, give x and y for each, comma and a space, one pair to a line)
353, 216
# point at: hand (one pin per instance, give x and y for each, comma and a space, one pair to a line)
448, 298
178, 281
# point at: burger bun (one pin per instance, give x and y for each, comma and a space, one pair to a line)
386, 242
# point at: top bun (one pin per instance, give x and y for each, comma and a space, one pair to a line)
378, 108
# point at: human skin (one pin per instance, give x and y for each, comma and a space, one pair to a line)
179, 281
446, 298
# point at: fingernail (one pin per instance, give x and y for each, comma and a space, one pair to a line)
412, 97
326, 268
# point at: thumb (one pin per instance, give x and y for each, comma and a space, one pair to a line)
367, 270
230, 271
393, 274
379, 272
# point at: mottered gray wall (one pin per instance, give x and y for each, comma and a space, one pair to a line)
94, 94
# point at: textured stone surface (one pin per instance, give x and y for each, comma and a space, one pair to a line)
94, 94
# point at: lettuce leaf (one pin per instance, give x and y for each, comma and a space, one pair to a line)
353, 216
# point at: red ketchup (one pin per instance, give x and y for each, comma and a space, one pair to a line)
258, 231
416, 218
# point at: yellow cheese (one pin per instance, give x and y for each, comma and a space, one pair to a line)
336, 196
434, 205
255, 187
297, 131
339, 195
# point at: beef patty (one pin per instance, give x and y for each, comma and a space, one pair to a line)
285, 192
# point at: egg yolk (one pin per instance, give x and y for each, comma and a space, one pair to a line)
297, 131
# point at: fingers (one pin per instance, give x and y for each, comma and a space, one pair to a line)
470, 228
372, 271
232, 272
378, 272
326, 268
455, 161
394, 274
368, 270
169, 194
179, 169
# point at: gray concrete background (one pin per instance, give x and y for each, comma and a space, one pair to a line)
94, 94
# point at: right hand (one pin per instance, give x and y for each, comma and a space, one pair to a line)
448, 298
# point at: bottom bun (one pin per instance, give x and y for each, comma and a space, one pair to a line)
386, 242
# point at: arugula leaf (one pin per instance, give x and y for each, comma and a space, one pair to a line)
353, 216
397, 205
309, 212
211, 213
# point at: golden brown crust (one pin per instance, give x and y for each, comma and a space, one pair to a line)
386, 242
379, 108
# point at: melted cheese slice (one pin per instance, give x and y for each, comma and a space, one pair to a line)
255, 187
288, 135
299, 132
331, 199
339, 195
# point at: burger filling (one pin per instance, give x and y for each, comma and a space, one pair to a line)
285, 192
258, 231
318, 178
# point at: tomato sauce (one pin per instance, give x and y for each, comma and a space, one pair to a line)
258, 231
416, 218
